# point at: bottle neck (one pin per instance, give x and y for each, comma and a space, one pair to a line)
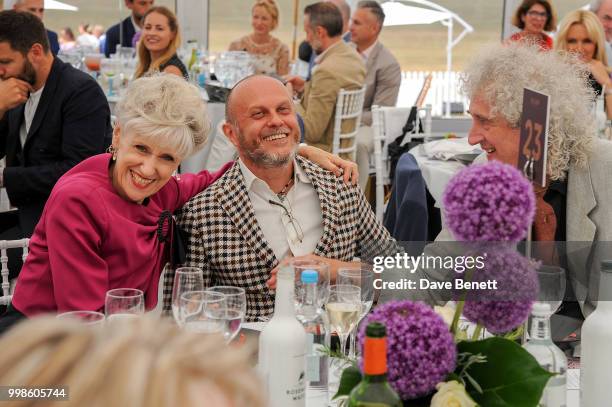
310, 295
540, 328
375, 359
283, 303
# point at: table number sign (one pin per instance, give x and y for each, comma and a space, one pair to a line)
533, 145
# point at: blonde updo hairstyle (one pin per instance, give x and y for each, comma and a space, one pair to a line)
141, 363
272, 9
167, 111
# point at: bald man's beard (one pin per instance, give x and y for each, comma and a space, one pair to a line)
255, 153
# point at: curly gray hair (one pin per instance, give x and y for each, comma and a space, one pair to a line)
166, 110
499, 74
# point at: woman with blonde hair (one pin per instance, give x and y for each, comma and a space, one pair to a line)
533, 17
138, 363
158, 43
270, 54
581, 34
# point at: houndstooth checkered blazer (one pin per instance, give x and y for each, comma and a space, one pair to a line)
227, 243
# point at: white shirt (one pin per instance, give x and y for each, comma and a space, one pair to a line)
28, 114
366, 52
302, 201
320, 56
136, 26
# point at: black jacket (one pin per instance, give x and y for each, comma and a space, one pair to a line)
72, 122
113, 35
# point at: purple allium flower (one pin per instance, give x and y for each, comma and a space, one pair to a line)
420, 349
489, 202
505, 308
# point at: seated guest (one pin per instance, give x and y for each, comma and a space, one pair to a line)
338, 67
383, 76
66, 39
534, 17
140, 363
270, 54
271, 204
158, 44
52, 116
37, 7
122, 33
100, 227
581, 33
575, 206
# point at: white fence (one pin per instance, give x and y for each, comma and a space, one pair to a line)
444, 87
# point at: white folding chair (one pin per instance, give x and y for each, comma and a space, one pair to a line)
387, 124
7, 293
349, 106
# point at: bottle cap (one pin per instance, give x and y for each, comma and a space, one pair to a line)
376, 330
606, 266
309, 276
540, 309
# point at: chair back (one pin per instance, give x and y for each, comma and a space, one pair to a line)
7, 293
349, 106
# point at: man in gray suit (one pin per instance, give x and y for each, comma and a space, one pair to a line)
383, 76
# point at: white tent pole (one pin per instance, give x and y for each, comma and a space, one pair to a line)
449, 63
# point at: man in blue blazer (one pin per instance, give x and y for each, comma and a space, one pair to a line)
52, 116
122, 33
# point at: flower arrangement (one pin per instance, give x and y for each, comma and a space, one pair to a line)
418, 339
433, 363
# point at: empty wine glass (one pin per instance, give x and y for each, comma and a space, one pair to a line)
185, 279
552, 286
364, 279
85, 317
123, 303
195, 308
234, 312
343, 310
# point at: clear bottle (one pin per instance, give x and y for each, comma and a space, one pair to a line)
548, 355
596, 346
374, 390
315, 324
281, 348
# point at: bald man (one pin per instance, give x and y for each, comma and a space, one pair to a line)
272, 204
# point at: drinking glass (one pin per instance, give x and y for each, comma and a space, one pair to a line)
322, 282
343, 310
196, 308
110, 68
185, 279
92, 62
234, 311
364, 279
85, 317
123, 303
552, 286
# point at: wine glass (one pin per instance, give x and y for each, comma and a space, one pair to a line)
234, 312
343, 310
85, 317
123, 303
185, 279
364, 279
92, 62
110, 68
552, 286
195, 308
323, 280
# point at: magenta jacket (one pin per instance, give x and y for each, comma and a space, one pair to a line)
90, 240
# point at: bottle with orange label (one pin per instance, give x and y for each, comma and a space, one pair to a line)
374, 390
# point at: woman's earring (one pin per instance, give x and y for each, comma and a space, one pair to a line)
112, 150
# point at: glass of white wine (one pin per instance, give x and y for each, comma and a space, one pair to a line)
343, 310
185, 279
195, 309
364, 279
